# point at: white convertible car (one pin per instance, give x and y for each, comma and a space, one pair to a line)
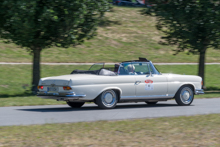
129, 81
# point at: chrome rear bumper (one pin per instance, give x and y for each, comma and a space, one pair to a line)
60, 96
199, 91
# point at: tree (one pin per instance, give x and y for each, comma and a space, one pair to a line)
39, 24
192, 25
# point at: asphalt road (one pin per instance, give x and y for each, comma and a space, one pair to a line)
27, 115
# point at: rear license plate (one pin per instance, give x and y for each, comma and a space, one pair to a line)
52, 88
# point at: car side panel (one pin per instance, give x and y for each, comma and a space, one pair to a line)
176, 81
125, 84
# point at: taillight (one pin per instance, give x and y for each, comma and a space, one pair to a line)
202, 83
40, 87
67, 88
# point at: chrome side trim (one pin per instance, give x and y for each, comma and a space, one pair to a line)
148, 96
144, 100
61, 95
199, 91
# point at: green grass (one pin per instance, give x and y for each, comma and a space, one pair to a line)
15, 81
125, 34
202, 130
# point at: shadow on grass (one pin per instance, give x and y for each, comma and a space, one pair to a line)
211, 88
25, 94
105, 22
212, 92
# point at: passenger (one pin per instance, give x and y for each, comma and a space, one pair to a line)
116, 68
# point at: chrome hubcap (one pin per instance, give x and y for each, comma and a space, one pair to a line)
186, 95
109, 98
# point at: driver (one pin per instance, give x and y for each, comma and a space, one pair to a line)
131, 70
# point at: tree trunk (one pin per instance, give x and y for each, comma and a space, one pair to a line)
201, 72
36, 70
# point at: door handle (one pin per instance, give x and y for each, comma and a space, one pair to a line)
137, 82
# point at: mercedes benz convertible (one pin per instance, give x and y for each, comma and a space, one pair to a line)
129, 81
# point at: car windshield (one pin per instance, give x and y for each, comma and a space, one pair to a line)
97, 66
137, 68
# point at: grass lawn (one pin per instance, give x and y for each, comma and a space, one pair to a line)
202, 130
125, 34
15, 81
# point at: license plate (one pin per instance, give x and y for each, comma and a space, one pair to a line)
52, 88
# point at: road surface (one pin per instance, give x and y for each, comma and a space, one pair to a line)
28, 115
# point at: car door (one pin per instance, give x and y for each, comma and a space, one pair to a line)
126, 81
147, 83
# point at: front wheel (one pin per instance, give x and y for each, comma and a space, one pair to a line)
75, 104
184, 96
107, 100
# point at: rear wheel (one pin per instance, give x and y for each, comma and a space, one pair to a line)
151, 103
184, 96
107, 100
75, 104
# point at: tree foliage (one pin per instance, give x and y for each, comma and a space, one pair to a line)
192, 25
40, 24
44, 23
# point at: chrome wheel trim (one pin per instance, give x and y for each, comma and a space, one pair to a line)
109, 98
186, 95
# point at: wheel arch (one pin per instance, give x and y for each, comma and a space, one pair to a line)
116, 89
186, 84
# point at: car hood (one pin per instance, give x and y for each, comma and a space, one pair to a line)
179, 77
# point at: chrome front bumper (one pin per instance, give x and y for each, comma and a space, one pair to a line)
62, 96
199, 91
